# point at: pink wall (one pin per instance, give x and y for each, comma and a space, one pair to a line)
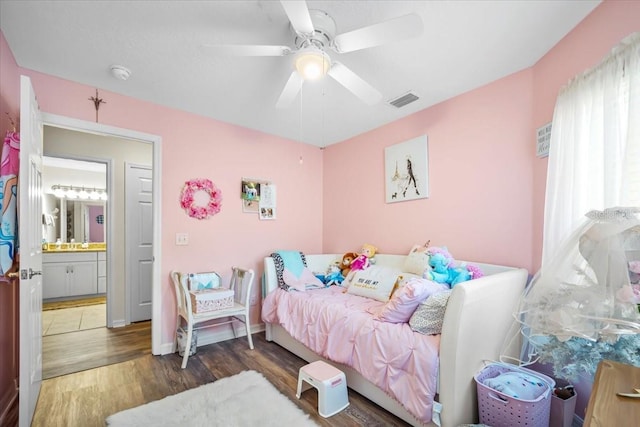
480, 180
96, 230
193, 147
486, 185
9, 356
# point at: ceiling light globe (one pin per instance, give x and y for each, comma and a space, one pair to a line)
58, 192
312, 63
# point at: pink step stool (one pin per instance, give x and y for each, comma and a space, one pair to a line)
331, 384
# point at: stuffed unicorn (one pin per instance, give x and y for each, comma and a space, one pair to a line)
443, 270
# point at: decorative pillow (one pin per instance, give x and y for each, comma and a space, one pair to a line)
306, 280
295, 263
417, 261
375, 282
404, 278
202, 281
404, 301
292, 260
428, 317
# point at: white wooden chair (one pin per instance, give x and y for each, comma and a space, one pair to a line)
241, 283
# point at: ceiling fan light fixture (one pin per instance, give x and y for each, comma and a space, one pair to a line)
312, 63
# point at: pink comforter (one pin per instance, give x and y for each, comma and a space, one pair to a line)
338, 327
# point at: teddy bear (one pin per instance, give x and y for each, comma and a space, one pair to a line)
345, 265
363, 259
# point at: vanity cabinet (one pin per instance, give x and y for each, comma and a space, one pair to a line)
69, 274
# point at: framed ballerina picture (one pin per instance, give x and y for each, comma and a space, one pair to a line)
406, 170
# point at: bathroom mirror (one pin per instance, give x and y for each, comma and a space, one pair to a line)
83, 221
81, 218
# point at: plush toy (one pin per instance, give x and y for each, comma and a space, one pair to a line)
443, 270
363, 260
334, 276
345, 266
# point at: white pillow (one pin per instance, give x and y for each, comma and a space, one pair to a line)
417, 261
375, 282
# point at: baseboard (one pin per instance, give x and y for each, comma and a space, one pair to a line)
224, 333
166, 348
213, 335
119, 323
577, 421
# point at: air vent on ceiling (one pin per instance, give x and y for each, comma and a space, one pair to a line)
403, 100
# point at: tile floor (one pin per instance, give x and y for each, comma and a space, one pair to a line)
73, 319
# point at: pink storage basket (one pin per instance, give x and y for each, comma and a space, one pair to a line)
499, 410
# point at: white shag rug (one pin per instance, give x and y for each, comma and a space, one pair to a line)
246, 399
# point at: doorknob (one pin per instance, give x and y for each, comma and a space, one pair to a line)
23, 274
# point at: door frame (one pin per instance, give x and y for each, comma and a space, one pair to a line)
156, 141
109, 184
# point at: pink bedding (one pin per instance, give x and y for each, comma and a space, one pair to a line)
338, 327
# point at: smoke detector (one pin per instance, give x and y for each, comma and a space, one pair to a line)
120, 72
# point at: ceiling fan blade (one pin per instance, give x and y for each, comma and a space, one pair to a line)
393, 30
290, 91
298, 14
355, 84
247, 50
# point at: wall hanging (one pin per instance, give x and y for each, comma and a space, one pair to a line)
406, 168
201, 198
267, 202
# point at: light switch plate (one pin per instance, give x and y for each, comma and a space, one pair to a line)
182, 239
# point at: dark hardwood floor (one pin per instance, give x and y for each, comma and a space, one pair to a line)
87, 398
77, 351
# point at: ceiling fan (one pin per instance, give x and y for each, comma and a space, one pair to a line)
314, 33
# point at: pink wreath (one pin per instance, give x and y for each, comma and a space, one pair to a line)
201, 212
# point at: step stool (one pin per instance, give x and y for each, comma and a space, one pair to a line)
331, 384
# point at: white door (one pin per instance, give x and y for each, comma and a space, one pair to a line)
139, 244
30, 235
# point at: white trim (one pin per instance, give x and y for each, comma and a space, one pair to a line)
120, 323
156, 141
211, 337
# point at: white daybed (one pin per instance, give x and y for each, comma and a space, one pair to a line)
476, 328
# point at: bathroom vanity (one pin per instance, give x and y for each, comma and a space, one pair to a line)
73, 272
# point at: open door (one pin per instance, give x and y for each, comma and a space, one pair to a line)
30, 237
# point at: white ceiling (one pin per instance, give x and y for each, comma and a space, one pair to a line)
465, 44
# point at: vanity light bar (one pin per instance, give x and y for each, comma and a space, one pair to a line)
80, 193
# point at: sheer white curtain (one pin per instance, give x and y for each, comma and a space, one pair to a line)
594, 155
